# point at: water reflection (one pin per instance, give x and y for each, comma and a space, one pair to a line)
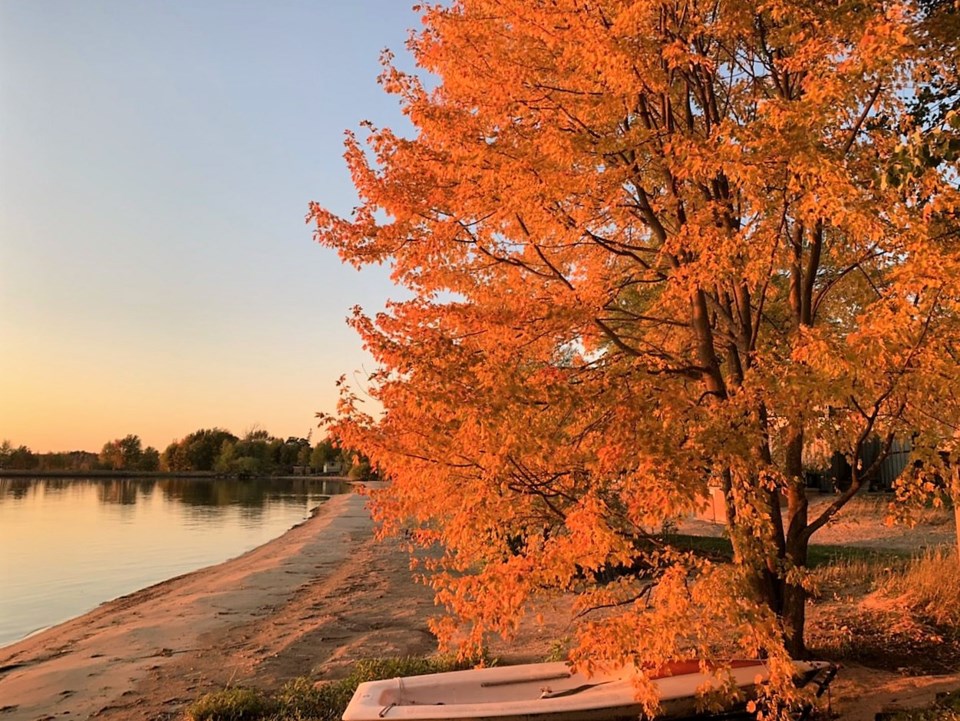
210, 492
121, 491
15, 487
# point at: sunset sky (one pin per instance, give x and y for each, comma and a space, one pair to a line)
156, 162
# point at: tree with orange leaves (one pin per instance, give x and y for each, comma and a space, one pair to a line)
655, 247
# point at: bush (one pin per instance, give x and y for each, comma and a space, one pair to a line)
337, 694
234, 704
302, 700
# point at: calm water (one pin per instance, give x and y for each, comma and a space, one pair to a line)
67, 545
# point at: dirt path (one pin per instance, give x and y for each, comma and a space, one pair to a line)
859, 693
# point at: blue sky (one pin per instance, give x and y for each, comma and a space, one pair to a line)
156, 162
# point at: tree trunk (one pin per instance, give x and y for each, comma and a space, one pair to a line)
794, 617
788, 602
794, 613
787, 545
955, 498
956, 517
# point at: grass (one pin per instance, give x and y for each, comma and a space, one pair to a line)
233, 704
928, 586
818, 555
303, 700
876, 507
890, 611
852, 575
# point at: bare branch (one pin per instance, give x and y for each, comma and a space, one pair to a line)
863, 116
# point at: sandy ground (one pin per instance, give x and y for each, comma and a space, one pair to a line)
859, 693
307, 603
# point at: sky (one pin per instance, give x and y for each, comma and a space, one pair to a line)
156, 163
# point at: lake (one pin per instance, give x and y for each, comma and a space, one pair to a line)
68, 545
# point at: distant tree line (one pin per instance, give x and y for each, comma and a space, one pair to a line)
257, 453
21, 458
128, 454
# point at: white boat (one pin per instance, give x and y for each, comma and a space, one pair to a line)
543, 692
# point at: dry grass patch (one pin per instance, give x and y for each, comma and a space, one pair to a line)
928, 586
874, 508
854, 574
890, 612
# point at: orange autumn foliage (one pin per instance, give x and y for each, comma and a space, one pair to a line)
654, 248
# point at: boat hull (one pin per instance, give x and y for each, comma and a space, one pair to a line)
539, 692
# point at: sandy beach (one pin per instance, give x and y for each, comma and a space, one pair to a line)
306, 604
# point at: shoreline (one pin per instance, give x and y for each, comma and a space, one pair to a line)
76, 543
313, 512
306, 603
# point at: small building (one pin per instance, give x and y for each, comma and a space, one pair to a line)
839, 476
